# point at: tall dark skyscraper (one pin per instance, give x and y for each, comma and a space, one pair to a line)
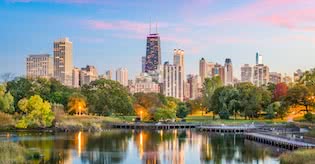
153, 52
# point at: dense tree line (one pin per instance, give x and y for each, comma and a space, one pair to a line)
107, 97
249, 101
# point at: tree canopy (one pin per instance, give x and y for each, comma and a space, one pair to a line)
37, 113
106, 97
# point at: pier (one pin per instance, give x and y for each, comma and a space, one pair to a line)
277, 141
153, 126
226, 129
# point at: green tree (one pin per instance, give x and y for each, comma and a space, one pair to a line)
272, 109
309, 117
6, 100
300, 95
49, 89
106, 97
225, 102
38, 113
162, 114
182, 110
208, 89
252, 99
145, 104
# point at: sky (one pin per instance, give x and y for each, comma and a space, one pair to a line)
112, 33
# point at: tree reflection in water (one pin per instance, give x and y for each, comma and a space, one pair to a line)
225, 148
146, 146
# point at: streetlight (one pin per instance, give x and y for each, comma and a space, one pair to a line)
79, 109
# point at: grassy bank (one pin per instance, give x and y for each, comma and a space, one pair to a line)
84, 122
217, 121
305, 156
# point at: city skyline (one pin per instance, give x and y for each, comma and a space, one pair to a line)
128, 29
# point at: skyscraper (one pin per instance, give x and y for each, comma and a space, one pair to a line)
247, 73
88, 74
274, 77
287, 79
205, 69
109, 75
153, 52
122, 76
179, 61
63, 61
76, 77
219, 70
261, 75
40, 65
172, 83
143, 60
228, 72
194, 86
259, 58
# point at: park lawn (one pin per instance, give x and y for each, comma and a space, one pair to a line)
239, 120
305, 156
125, 118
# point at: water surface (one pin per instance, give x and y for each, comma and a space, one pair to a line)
133, 147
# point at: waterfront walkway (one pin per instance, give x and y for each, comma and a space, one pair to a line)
278, 141
157, 126
227, 129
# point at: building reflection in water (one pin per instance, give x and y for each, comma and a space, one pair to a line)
156, 147
146, 146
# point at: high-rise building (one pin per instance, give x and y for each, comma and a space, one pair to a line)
247, 73
63, 61
219, 70
109, 75
172, 81
259, 58
275, 77
88, 74
153, 52
143, 60
76, 77
40, 65
122, 76
228, 72
261, 75
205, 69
179, 61
287, 79
144, 83
194, 86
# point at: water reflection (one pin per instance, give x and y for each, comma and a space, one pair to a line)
143, 146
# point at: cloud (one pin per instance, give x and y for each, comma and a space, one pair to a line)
289, 14
121, 25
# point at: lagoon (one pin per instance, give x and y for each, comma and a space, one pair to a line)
144, 146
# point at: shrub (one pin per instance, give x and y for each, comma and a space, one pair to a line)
306, 156
308, 117
6, 121
162, 114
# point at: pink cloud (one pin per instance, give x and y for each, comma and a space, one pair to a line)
123, 25
290, 14
301, 19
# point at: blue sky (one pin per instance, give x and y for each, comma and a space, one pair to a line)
112, 34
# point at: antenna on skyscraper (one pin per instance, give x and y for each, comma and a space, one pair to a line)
156, 28
150, 26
